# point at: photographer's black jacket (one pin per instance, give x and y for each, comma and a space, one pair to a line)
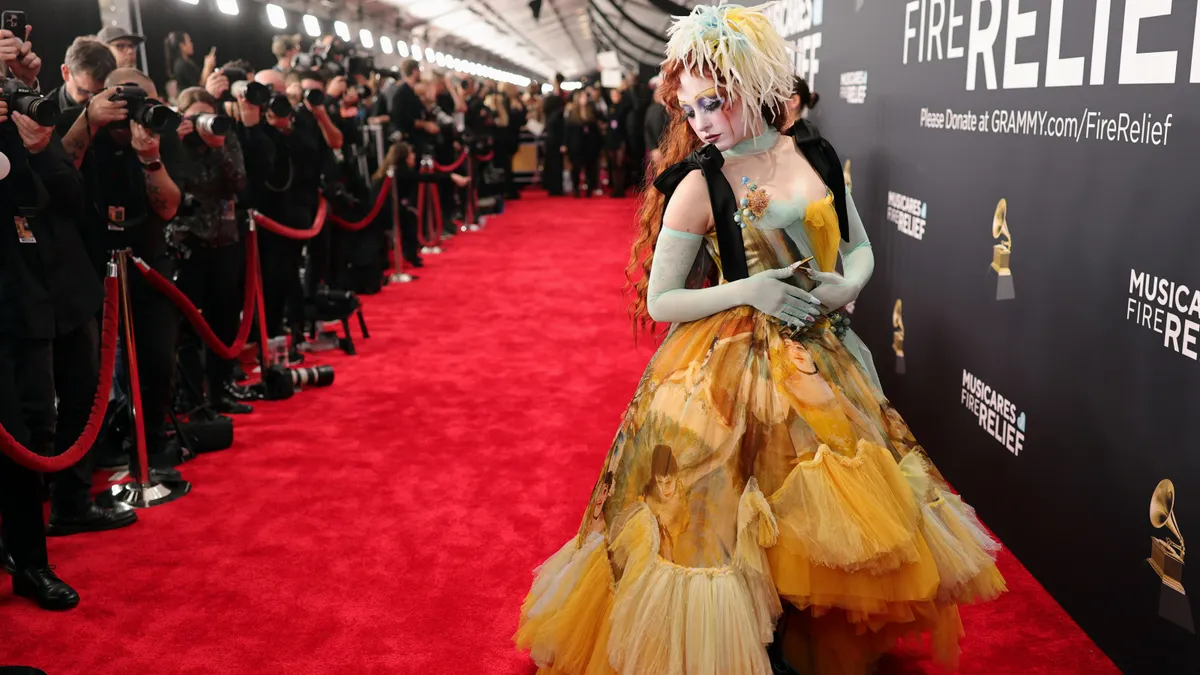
211, 180
48, 287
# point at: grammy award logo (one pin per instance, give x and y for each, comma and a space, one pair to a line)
1002, 252
898, 336
846, 176
1166, 557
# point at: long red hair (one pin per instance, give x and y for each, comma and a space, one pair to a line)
678, 141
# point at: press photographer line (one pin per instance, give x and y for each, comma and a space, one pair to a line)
1092, 125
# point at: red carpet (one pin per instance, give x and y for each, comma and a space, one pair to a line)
390, 523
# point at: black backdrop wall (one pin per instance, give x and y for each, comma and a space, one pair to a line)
1057, 388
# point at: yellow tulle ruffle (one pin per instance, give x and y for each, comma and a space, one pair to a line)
659, 617
872, 550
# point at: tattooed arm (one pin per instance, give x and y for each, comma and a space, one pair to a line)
161, 191
99, 112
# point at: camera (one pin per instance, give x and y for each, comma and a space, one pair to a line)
314, 97
215, 125
255, 93
146, 111
28, 102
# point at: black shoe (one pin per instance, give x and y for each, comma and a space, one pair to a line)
41, 585
6, 562
230, 406
112, 462
91, 519
239, 374
240, 393
294, 357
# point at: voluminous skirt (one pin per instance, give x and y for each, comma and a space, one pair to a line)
755, 473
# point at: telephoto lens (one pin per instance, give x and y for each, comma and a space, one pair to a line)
216, 125
255, 93
154, 115
28, 102
314, 96
317, 376
279, 105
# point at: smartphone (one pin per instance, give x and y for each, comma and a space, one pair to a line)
13, 20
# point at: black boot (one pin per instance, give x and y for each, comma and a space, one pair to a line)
90, 519
41, 585
6, 561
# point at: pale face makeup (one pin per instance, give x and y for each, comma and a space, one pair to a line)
710, 112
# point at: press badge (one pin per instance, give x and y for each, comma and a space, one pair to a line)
24, 234
116, 216
228, 210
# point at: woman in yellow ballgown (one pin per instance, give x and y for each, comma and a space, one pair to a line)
763, 508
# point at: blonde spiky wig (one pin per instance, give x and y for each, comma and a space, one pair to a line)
740, 48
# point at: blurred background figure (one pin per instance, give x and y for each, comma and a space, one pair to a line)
123, 44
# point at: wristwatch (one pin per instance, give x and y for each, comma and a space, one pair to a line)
150, 166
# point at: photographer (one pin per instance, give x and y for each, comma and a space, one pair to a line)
291, 196
408, 115
39, 197
211, 174
85, 67
401, 158
119, 142
312, 115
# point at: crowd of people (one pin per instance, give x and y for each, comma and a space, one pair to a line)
174, 172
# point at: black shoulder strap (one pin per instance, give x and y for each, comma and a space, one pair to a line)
824, 160
708, 161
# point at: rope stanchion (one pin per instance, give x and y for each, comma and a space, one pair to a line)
400, 276
454, 165
143, 491
370, 217
291, 232
226, 352
108, 357
429, 228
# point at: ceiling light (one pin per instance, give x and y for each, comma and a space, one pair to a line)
312, 26
385, 43
228, 6
547, 88
191, 2
416, 51
276, 16
402, 49
439, 58
364, 36
342, 30
429, 54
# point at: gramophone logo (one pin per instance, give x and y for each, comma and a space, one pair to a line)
1002, 252
898, 336
846, 176
1166, 557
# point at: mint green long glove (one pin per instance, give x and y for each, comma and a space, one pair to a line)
669, 301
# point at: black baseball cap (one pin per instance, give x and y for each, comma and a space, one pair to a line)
111, 34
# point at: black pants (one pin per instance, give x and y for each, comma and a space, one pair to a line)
589, 166
67, 370
22, 529
156, 333
505, 163
319, 257
552, 168
283, 297
617, 173
212, 279
410, 243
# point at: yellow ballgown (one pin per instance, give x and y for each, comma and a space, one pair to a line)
757, 473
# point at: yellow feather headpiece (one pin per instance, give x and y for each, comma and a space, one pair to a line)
739, 46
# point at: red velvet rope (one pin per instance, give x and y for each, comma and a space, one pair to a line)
108, 356
291, 232
194, 317
370, 218
433, 238
488, 157
452, 167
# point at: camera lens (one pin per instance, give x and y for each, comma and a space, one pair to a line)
216, 125
314, 96
280, 105
158, 118
255, 93
44, 111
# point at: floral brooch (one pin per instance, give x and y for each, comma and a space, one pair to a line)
753, 205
